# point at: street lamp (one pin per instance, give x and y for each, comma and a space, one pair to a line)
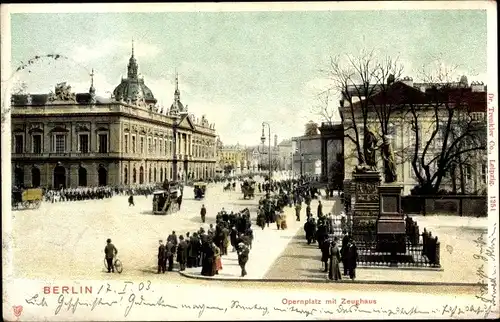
263, 140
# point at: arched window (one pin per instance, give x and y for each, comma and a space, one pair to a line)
154, 175
125, 176
82, 177
102, 176
141, 175
161, 174
59, 177
18, 177
35, 177
134, 176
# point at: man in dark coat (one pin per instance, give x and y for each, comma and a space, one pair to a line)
351, 257
320, 209
233, 235
203, 213
343, 251
172, 238
325, 253
110, 252
193, 251
162, 261
208, 259
170, 251
308, 230
182, 253
243, 252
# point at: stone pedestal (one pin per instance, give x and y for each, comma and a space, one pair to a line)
391, 226
365, 209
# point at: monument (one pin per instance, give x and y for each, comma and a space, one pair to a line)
376, 211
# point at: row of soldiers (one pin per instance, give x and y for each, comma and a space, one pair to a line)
77, 194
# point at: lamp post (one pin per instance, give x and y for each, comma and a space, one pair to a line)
263, 140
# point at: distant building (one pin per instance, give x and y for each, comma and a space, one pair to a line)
233, 159
473, 99
66, 139
307, 155
285, 155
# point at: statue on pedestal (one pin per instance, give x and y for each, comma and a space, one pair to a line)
369, 149
389, 164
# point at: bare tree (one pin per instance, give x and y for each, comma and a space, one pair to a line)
455, 134
323, 107
358, 81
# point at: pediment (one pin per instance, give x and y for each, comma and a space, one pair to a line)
187, 123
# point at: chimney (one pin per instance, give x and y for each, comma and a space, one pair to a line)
478, 87
408, 81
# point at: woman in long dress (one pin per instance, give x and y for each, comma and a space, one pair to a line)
334, 269
217, 260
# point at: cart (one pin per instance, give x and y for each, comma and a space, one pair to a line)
27, 198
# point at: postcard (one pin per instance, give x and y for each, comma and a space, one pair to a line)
257, 161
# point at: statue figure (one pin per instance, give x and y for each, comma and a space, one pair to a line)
389, 164
29, 100
369, 148
62, 93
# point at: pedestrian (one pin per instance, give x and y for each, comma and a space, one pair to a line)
182, 249
131, 200
320, 209
345, 242
298, 207
351, 258
110, 252
325, 254
162, 261
203, 213
217, 259
334, 270
243, 253
170, 251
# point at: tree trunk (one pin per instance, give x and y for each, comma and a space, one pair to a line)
453, 174
462, 175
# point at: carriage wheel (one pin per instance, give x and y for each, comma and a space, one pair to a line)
37, 204
105, 264
26, 204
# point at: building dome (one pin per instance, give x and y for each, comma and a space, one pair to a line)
133, 88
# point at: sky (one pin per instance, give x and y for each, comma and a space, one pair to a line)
239, 68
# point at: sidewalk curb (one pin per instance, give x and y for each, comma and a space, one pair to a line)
234, 279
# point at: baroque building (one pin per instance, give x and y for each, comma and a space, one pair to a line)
66, 139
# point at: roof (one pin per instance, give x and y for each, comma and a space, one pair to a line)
401, 94
132, 89
43, 99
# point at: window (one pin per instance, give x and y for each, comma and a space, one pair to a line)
166, 147
154, 146
150, 148
142, 145
161, 146
18, 143
468, 172
60, 143
103, 143
83, 143
133, 144
125, 147
37, 143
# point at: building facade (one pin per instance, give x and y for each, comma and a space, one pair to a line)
66, 139
402, 133
307, 155
233, 158
285, 155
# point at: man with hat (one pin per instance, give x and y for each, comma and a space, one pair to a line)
110, 252
162, 260
243, 252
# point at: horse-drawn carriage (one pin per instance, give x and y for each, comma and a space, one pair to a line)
166, 201
248, 189
199, 190
26, 198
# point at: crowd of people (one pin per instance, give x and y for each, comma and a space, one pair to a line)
205, 249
